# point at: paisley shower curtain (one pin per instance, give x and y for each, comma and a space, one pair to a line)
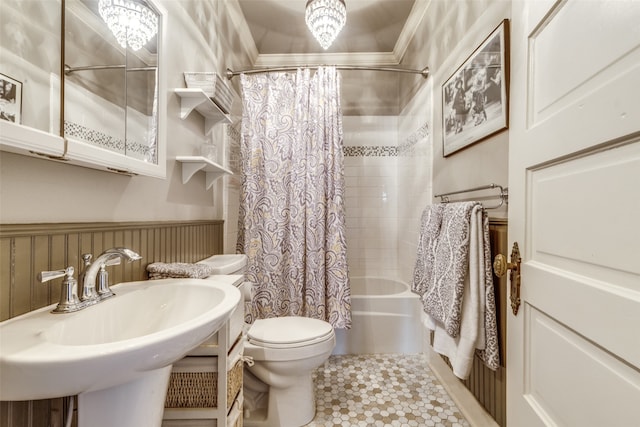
291, 221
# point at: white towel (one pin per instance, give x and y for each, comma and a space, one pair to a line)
442, 298
460, 350
478, 331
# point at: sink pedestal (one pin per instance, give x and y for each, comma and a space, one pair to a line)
134, 404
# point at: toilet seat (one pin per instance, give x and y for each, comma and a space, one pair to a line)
289, 332
288, 339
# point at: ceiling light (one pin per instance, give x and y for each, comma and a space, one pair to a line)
325, 19
131, 21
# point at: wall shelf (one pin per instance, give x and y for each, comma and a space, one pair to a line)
196, 99
193, 164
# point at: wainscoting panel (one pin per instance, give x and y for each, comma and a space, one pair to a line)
27, 249
490, 387
487, 386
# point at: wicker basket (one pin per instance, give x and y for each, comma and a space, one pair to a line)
200, 389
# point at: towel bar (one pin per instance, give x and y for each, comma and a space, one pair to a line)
504, 194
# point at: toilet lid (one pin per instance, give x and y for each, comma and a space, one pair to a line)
285, 332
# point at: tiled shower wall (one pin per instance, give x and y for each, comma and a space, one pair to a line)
415, 175
232, 186
370, 163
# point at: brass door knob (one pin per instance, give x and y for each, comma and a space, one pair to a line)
500, 267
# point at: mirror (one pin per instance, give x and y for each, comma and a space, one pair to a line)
111, 84
30, 64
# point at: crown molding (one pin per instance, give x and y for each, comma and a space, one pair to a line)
354, 58
242, 30
410, 27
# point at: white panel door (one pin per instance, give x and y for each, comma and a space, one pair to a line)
574, 189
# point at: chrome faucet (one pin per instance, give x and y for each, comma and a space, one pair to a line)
95, 273
69, 301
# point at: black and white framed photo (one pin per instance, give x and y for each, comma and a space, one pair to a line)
475, 97
10, 99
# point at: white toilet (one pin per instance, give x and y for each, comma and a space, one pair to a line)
278, 388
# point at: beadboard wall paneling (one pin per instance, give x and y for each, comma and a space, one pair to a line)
487, 386
27, 249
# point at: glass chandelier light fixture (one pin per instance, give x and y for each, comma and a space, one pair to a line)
131, 21
325, 19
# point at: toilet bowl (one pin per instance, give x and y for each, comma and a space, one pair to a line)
278, 387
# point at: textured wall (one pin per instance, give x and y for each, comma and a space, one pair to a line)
34, 190
450, 31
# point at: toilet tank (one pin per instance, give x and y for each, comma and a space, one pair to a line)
226, 264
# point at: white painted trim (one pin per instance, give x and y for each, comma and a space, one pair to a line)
473, 412
358, 58
242, 29
410, 27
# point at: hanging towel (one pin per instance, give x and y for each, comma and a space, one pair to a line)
490, 355
178, 270
478, 329
430, 224
442, 299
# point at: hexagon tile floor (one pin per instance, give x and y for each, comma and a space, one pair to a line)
374, 390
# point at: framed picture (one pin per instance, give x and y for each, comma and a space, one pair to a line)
475, 97
10, 99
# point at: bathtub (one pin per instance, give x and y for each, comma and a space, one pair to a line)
385, 318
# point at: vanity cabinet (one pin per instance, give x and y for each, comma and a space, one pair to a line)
205, 387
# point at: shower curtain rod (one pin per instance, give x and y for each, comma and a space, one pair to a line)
424, 72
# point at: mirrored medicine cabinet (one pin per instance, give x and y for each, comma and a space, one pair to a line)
79, 94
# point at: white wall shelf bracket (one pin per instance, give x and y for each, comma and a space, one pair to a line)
193, 164
196, 99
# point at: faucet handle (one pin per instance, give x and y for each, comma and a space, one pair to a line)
69, 301
45, 276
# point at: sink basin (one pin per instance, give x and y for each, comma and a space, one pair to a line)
130, 338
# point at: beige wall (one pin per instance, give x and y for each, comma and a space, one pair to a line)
448, 34
34, 190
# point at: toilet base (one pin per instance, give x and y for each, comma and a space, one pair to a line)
293, 406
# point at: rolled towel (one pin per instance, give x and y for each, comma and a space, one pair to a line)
178, 270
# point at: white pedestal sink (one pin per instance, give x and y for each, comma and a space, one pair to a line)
117, 355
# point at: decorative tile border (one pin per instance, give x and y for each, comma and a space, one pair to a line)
370, 151
95, 137
407, 147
